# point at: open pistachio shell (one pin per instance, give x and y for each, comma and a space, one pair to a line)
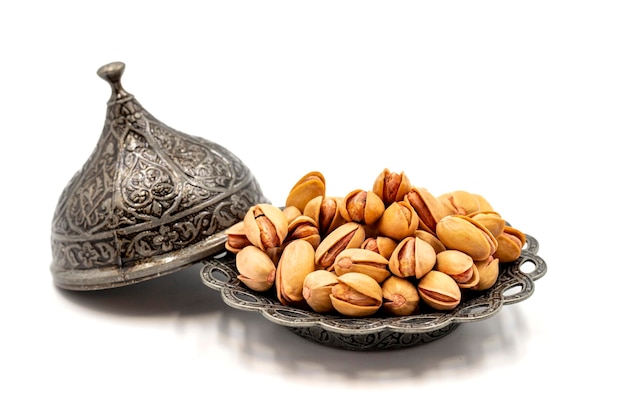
236, 238
455, 263
400, 296
311, 185
265, 226
412, 257
430, 239
491, 220
510, 244
391, 186
325, 211
317, 288
362, 207
428, 208
303, 227
356, 295
466, 235
488, 272
362, 260
439, 291
380, 244
459, 202
348, 235
398, 221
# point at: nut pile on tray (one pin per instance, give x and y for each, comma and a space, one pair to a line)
386, 251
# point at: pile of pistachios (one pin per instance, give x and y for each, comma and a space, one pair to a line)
395, 249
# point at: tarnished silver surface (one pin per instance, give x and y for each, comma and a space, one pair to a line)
378, 332
149, 200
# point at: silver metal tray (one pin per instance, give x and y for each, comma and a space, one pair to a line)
515, 283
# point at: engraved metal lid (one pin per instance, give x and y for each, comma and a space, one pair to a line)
150, 200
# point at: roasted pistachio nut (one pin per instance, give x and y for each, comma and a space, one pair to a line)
459, 202
412, 257
291, 212
296, 262
348, 235
398, 221
265, 226
311, 185
380, 244
325, 211
256, 269
391, 186
362, 260
439, 291
236, 238
400, 296
303, 227
431, 239
510, 244
457, 264
317, 288
483, 203
488, 272
466, 235
362, 207
491, 220
356, 295
428, 208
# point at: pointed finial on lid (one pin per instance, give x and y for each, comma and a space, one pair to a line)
112, 73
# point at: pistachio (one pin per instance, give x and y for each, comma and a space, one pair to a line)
303, 227
362, 207
488, 272
439, 291
256, 269
398, 221
412, 257
428, 208
325, 211
311, 185
362, 260
391, 186
491, 220
291, 212
317, 288
236, 237
356, 295
467, 235
380, 244
431, 239
510, 244
348, 235
459, 202
296, 262
400, 296
459, 265
483, 204
265, 226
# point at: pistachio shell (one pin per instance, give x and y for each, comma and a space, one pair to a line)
256, 269
430, 239
510, 244
398, 221
439, 291
303, 227
455, 263
488, 272
356, 295
466, 235
491, 220
317, 288
325, 211
380, 244
291, 212
362, 260
348, 235
265, 226
296, 262
362, 207
459, 202
391, 186
400, 296
428, 208
236, 238
483, 204
311, 185
412, 257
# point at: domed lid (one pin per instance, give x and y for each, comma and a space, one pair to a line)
149, 200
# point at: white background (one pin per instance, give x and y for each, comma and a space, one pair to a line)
523, 102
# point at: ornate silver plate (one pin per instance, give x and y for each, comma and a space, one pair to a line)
515, 283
